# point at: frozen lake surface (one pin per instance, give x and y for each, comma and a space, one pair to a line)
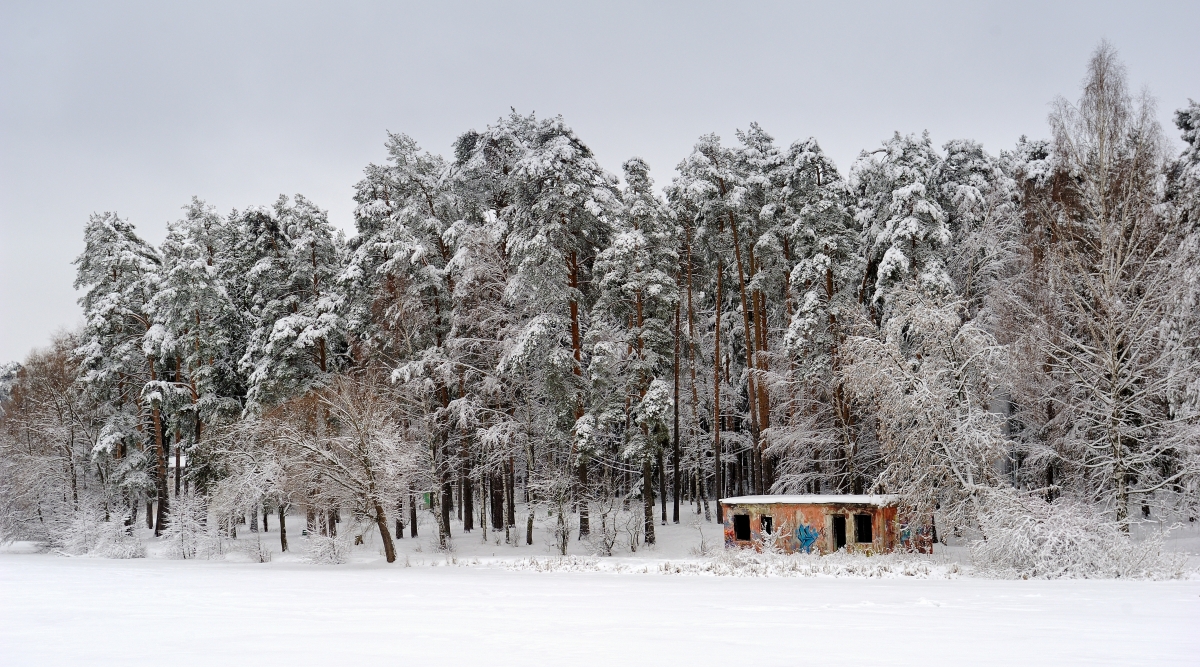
74, 611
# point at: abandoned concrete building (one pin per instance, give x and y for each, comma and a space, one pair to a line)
807, 523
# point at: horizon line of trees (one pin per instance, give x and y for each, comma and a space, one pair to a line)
514, 327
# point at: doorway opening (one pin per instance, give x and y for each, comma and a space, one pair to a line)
741, 527
839, 532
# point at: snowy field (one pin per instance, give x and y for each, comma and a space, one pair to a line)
473, 607
75, 611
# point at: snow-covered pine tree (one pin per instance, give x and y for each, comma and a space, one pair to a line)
497, 427
906, 229
401, 291
704, 195
637, 301
118, 272
768, 260
1035, 420
817, 437
699, 197
921, 370
194, 321
558, 215
981, 205
485, 412
396, 268
293, 256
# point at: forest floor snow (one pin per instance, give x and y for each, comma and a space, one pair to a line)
490, 602
72, 611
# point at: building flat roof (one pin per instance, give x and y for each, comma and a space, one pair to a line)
813, 499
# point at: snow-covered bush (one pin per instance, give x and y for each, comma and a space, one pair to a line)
211, 544
749, 563
79, 534
601, 541
603, 537
194, 532
327, 550
772, 543
559, 525
1026, 537
187, 526
257, 550
88, 533
564, 564
704, 547
116, 541
633, 526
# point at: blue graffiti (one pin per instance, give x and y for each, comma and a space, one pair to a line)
807, 536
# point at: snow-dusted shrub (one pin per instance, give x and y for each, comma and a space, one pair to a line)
194, 531
612, 528
633, 525
86, 532
603, 536
705, 547
749, 563
772, 543
187, 526
116, 541
256, 550
1026, 537
329, 550
565, 564
559, 524
211, 544
210, 540
76, 534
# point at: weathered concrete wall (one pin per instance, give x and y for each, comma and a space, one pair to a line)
810, 527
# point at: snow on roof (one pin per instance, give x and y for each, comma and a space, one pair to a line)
812, 499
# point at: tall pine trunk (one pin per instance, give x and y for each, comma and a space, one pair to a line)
751, 379
716, 424
160, 519
577, 353
675, 428
412, 514
283, 527
648, 498
467, 497
662, 484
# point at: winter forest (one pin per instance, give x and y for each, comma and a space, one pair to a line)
516, 338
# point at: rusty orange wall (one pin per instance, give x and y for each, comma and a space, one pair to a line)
803, 527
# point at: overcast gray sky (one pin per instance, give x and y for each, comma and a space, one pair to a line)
135, 107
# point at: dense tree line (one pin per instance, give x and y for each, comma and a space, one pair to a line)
513, 329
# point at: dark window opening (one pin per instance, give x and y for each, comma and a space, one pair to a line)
839, 532
741, 526
862, 528
766, 524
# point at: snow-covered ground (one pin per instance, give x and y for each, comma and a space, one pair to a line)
478, 605
75, 611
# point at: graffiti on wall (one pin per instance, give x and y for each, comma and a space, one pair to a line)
807, 536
